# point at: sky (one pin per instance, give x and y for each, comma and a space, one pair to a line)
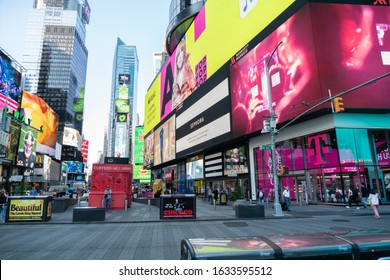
139, 23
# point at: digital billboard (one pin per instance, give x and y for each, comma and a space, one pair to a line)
27, 147
121, 118
120, 140
78, 106
124, 79
71, 138
165, 142
10, 78
41, 115
7, 151
139, 145
359, 51
149, 150
235, 161
122, 105
123, 92
141, 174
293, 76
194, 168
203, 50
206, 122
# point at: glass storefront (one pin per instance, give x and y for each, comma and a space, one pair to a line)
323, 166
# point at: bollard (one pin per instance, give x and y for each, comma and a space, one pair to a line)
102, 203
149, 208
78, 202
125, 205
215, 204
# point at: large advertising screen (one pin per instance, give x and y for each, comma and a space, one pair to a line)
353, 47
206, 122
8, 150
292, 71
165, 142
10, 79
141, 174
149, 150
204, 50
122, 105
27, 147
41, 115
71, 138
139, 145
194, 168
235, 161
120, 140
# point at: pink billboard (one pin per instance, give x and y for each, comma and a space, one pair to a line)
293, 76
325, 49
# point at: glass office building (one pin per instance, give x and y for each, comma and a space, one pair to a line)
123, 104
55, 56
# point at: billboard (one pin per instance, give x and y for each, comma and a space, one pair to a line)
149, 150
7, 151
194, 168
124, 79
204, 50
121, 118
27, 147
141, 174
139, 145
71, 138
360, 51
120, 140
235, 161
42, 115
10, 81
206, 122
165, 142
75, 167
122, 105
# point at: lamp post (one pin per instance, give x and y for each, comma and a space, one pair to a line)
273, 131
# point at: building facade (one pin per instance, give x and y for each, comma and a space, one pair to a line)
55, 57
207, 111
123, 103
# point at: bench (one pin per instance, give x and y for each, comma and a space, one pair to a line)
250, 211
88, 214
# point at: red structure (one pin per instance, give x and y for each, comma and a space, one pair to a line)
119, 177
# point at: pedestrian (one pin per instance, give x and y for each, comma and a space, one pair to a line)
261, 196
209, 194
3, 204
365, 195
286, 197
373, 200
33, 191
215, 194
353, 195
107, 197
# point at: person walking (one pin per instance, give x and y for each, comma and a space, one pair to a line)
215, 195
353, 195
286, 197
261, 196
3, 204
107, 197
373, 199
365, 195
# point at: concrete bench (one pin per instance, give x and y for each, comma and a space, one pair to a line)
88, 214
250, 211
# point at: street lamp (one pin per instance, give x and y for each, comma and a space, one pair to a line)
273, 131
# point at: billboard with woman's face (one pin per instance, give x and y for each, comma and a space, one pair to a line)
27, 147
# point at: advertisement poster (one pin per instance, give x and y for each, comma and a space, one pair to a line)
178, 207
165, 142
26, 209
235, 161
27, 147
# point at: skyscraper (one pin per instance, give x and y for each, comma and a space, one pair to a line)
55, 57
123, 105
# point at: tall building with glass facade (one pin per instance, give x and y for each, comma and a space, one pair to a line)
55, 56
123, 104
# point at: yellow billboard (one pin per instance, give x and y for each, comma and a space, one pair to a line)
219, 31
152, 106
26, 209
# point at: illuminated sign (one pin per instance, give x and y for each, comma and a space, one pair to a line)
26, 209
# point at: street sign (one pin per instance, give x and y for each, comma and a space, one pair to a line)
266, 147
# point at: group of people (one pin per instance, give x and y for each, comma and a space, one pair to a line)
368, 198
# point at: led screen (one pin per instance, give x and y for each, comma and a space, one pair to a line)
165, 142
195, 169
41, 115
235, 161
10, 78
71, 138
139, 145
149, 150
27, 147
122, 106
120, 140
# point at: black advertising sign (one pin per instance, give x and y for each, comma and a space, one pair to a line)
178, 206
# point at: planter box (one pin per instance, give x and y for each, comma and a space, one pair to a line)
249, 211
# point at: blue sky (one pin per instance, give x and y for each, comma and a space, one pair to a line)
139, 23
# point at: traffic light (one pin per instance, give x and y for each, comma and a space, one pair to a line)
338, 105
284, 170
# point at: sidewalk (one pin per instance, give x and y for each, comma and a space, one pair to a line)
205, 212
